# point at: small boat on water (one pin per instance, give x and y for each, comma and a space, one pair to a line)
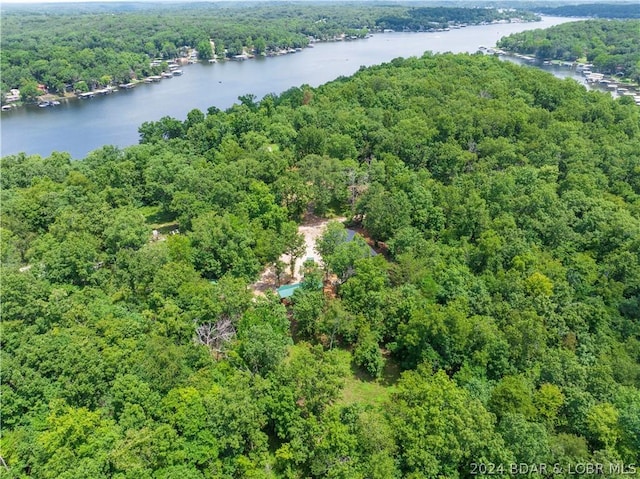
177, 72
46, 104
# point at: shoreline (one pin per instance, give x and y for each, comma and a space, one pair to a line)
110, 89
617, 86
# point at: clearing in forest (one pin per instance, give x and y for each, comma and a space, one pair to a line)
311, 228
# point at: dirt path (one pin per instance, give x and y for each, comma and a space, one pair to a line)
311, 228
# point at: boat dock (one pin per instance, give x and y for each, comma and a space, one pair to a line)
105, 91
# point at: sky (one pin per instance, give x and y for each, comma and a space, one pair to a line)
147, 1
105, 1
177, 1
32, 2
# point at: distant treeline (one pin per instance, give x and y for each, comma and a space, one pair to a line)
416, 19
613, 46
602, 10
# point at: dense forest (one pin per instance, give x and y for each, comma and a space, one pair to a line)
613, 46
499, 325
66, 50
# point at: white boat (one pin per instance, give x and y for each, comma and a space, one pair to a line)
46, 103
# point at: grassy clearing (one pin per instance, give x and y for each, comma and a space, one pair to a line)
155, 216
158, 220
365, 392
361, 388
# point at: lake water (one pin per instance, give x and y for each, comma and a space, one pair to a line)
79, 126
